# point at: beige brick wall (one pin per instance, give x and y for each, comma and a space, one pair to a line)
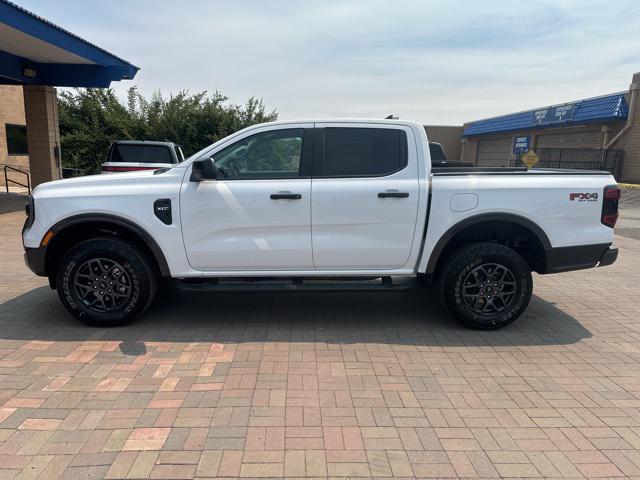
11, 112
450, 137
43, 134
630, 142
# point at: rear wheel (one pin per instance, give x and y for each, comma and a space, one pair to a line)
105, 281
486, 285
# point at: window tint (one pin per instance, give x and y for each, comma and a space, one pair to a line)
141, 154
16, 140
363, 152
274, 154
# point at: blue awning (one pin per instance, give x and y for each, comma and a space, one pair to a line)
35, 51
598, 109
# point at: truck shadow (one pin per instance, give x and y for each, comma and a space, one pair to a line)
410, 318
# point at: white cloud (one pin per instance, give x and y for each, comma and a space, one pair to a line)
435, 62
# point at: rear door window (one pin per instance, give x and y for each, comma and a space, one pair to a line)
140, 154
362, 152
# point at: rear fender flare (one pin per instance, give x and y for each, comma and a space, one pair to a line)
482, 218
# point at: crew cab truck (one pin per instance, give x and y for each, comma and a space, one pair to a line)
337, 205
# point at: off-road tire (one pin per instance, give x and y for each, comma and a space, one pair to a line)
107, 262
469, 265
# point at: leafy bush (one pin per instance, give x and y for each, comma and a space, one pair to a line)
90, 119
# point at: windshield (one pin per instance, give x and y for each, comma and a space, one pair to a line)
123, 153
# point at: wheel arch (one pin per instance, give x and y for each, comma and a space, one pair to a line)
492, 222
72, 230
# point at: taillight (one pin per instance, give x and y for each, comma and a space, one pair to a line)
610, 205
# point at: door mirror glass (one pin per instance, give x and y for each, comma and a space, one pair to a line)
204, 169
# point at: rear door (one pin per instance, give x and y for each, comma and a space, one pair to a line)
257, 215
364, 199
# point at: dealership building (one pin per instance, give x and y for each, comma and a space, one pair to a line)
602, 132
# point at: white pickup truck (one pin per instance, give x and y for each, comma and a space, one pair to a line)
335, 205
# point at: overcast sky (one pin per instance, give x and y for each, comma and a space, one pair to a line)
437, 62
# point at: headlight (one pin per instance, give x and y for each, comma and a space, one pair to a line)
30, 210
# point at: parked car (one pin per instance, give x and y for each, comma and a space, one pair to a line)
338, 205
132, 155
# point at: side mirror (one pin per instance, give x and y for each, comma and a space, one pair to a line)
203, 169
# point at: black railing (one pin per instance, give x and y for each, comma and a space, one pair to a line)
578, 158
8, 180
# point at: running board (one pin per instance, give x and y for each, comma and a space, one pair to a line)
295, 284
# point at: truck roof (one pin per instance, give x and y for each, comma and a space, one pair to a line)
143, 142
394, 121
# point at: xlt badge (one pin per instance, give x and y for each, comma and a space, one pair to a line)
162, 209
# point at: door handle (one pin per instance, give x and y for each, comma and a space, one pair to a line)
285, 196
393, 195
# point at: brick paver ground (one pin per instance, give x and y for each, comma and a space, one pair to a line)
321, 385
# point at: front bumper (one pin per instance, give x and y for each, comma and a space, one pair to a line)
35, 260
564, 259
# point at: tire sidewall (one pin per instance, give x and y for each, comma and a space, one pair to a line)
458, 272
123, 253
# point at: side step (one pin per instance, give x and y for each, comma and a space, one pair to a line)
295, 284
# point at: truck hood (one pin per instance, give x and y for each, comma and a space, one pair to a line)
97, 183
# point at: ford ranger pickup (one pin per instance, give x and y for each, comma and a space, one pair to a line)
331, 205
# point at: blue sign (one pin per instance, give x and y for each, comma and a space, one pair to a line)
521, 144
559, 114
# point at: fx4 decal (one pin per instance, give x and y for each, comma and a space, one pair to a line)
583, 197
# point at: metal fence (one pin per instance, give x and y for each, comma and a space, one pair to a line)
579, 158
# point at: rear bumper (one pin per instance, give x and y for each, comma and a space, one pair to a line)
35, 260
564, 259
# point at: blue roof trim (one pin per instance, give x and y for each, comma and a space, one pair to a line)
106, 67
605, 108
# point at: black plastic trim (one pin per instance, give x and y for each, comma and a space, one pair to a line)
162, 210
609, 256
121, 222
564, 259
485, 217
34, 258
465, 171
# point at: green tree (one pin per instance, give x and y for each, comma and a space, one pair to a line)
90, 119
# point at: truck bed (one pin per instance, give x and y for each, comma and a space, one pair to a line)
442, 171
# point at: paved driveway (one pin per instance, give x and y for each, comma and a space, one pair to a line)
321, 385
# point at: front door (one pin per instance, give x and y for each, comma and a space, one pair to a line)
257, 214
364, 196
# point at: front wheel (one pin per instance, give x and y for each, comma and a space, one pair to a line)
105, 281
486, 285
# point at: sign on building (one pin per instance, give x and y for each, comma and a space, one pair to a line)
521, 144
559, 114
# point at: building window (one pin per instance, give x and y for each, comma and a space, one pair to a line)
16, 139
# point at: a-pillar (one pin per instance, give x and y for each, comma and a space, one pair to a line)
43, 133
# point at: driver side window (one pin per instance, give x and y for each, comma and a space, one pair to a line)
265, 155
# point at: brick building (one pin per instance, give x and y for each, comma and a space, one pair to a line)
13, 129
601, 132
35, 57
